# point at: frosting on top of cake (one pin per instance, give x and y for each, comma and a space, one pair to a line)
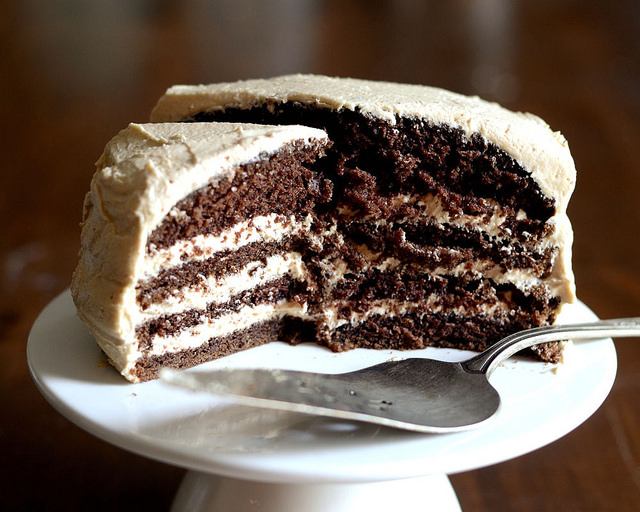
524, 136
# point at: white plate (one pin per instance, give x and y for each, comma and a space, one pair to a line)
541, 403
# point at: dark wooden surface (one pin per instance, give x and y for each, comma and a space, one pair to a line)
73, 73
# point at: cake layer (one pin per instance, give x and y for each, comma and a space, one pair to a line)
416, 330
336, 101
147, 367
264, 191
436, 246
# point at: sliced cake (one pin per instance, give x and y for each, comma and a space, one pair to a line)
191, 241
402, 217
451, 209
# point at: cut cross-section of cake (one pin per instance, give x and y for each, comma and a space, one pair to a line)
192, 241
450, 211
403, 217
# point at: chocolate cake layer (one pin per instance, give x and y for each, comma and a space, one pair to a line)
445, 246
446, 330
273, 292
172, 279
410, 156
359, 291
281, 183
147, 367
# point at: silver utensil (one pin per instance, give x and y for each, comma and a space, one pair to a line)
422, 395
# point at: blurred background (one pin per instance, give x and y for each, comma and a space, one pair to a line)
73, 73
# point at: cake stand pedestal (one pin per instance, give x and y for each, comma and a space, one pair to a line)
248, 459
202, 492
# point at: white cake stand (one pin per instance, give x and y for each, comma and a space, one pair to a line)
245, 459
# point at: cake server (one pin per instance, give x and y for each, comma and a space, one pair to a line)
417, 394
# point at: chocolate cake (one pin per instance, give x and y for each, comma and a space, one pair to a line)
192, 238
347, 212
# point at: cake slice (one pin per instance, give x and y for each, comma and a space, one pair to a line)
348, 213
191, 241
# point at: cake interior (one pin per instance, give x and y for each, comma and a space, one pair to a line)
397, 236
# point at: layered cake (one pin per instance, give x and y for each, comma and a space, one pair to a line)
345, 212
192, 241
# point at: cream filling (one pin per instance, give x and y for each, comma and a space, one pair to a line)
227, 324
391, 307
252, 315
267, 228
435, 212
491, 225
218, 291
478, 269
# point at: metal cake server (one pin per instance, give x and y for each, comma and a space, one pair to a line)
422, 395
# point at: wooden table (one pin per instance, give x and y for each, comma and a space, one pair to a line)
74, 73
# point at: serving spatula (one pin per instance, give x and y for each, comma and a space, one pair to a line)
417, 394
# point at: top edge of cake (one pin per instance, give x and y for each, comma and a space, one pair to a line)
526, 137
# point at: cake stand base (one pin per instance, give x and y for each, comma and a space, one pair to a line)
202, 492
